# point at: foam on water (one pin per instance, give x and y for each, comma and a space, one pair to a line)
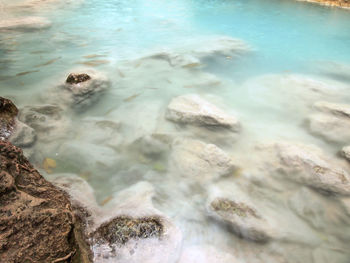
289, 49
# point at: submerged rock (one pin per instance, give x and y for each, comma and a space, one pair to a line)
150, 146
190, 54
126, 229
192, 109
307, 165
24, 23
8, 113
332, 123
23, 136
47, 120
200, 161
123, 228
100, 131
241, 217
88, 156
330, 128
36, 217
320, 212
345, 203
220, 46
175, 59
342, 110
82, 89
345, 152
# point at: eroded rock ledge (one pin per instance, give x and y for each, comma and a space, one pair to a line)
36, 218
337, 3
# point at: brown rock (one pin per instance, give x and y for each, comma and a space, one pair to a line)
77, 78
8, 112
122, 228
36, 218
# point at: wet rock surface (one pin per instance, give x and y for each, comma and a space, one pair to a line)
192, 109
25, 23
337, 3
190, 54
81, 89
23, 136
8, 113
342, 110
77, 78
36, 217
345, 152
243, 219
332, 122
47, 120
308, 165
196, 160
122, 229
126, 229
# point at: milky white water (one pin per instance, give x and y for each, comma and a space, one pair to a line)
289, 47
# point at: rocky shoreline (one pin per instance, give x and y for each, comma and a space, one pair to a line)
332, 3
167, 173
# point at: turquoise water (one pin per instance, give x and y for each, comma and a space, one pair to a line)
285, 39
287, 35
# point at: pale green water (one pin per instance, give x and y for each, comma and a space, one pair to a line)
285, 37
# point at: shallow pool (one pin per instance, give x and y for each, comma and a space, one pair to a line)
288, 56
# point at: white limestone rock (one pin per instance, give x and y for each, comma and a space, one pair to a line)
307, 165
80, 192
330, 128
161, 245
332, 123
191, 52
345, 152
337, 109
320, 212
192, 109
24, 23
82, 89
237, 211
199, 161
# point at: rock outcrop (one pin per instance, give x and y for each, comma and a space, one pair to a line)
8, 113
241, 217
332, 122
81, 89
190, 54
307, 165
335, 3
192, 109
36, 218
198, 161
127, 229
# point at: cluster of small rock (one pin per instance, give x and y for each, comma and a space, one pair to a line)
253, 201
